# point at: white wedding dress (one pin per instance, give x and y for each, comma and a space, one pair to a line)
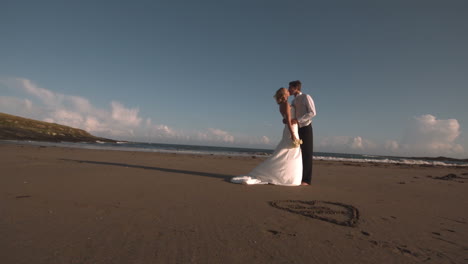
283, 167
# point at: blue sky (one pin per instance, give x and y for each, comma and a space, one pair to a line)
387, 77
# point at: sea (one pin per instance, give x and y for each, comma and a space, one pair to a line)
247, 152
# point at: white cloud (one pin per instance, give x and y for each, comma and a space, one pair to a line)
357, 143
265, 140
346, 144
425, 136
124, 115
392, 145
74, 111
429, 135
28, 104
48, 97
163, 130
80, 104
216, 135
92, 124
64, 117
117, 121
223, 135
148, 122
21, 107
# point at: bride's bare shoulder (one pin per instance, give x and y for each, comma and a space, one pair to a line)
284, 106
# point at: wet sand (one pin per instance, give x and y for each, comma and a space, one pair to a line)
65, 205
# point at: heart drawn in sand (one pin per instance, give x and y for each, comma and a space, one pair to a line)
332, 212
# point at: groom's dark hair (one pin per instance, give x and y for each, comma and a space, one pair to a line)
296, 84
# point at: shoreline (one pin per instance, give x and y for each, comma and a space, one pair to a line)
69, 205
254, 153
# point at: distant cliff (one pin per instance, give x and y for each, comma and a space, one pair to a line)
19, 128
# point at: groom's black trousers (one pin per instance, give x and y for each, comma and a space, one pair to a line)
307, 136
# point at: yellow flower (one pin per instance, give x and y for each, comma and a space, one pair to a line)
296, 143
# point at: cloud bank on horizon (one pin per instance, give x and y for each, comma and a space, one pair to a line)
424, 136
118, 122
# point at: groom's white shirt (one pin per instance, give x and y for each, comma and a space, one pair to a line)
305, 109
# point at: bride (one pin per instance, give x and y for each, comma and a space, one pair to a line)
284, 166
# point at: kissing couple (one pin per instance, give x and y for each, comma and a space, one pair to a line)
289, 165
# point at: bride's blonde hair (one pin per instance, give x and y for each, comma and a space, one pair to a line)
280, 95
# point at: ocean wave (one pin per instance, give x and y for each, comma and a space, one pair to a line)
242, 152
391, 161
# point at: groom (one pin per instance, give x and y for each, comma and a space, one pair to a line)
305, 110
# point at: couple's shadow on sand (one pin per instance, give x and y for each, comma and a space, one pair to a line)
196, 173
332, 212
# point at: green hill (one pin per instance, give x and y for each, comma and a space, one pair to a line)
19, 128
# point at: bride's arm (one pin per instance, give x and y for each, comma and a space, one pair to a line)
285, 109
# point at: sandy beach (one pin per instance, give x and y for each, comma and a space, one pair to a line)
66, 205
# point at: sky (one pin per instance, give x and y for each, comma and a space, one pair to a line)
387, 77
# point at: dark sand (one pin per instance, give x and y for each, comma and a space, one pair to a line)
64, 205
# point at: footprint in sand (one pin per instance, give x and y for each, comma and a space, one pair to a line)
332, 212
